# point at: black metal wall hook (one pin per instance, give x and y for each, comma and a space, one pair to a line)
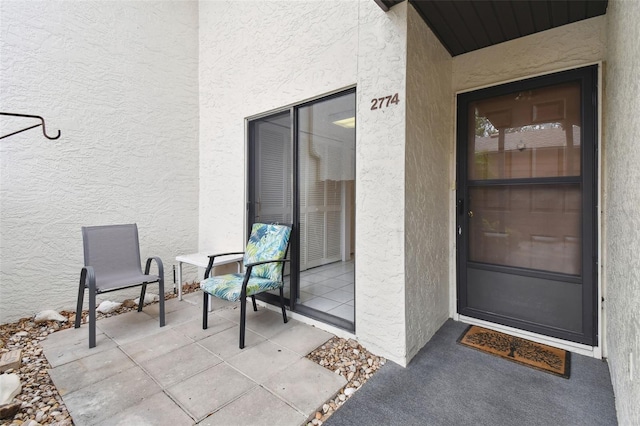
44, 129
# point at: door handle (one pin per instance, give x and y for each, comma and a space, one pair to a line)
470, 213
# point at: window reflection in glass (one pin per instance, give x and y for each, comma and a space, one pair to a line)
528, 134
527, 226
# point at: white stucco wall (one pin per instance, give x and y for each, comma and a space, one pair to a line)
255, 57
563, 47
622, 198
119, 79
380, 181
428, 158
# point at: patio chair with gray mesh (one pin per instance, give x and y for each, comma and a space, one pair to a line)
264, 259
112, 262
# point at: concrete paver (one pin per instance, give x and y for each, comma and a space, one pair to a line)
263, 361
178, 365
204, 393
180, 374
225, 344
132, 326
256, 407
301, 338
71, 344
84, 371
102, 400
155, 410
304, 383
164, 342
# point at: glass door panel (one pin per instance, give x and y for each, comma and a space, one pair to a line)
306, 177
527, 226
271, 173
326, 172
528, 134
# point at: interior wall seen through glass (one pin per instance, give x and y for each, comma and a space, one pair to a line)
326, 190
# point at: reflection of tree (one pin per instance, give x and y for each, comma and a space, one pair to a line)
484, 127
533, 127
515, 345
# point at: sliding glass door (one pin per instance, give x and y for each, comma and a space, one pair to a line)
302, 171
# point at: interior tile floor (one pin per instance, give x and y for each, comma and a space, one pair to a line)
329, 288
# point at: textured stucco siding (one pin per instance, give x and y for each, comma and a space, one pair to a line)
380, 196
256, 57
119, 79
622, 198
567, 46
429, 150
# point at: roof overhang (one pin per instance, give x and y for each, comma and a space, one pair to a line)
463, 26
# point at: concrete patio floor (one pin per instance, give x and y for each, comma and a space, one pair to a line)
180, 374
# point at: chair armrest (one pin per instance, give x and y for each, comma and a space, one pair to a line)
212, 258
262, 262
158, 263
88, 277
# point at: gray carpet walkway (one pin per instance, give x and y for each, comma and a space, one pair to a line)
450, 384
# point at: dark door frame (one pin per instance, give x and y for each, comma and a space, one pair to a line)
588, 77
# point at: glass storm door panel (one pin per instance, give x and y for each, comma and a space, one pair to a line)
526, 205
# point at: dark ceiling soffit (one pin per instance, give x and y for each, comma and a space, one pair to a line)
383, 5
466, 25
387, 4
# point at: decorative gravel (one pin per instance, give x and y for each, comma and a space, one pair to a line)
349, 359
41, 404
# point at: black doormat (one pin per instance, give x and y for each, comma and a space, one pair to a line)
535, 355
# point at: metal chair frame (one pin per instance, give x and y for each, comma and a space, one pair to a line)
88, 280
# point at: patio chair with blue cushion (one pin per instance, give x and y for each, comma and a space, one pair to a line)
264, 259
112, 262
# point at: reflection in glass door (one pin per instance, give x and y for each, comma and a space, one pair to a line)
526, 205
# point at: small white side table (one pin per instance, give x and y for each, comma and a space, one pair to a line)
202, 260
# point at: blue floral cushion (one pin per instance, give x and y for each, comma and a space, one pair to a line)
267, 242
229, 286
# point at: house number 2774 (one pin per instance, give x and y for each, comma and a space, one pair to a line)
384, 102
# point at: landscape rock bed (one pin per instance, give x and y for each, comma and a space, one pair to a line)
349, 359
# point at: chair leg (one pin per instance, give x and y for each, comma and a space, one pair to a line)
255, 307
284, 311
205, 313
80, 300
142, 292
243, 315
92, 318
161, 295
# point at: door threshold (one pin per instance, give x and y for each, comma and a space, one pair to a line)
590, 351
340, 332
